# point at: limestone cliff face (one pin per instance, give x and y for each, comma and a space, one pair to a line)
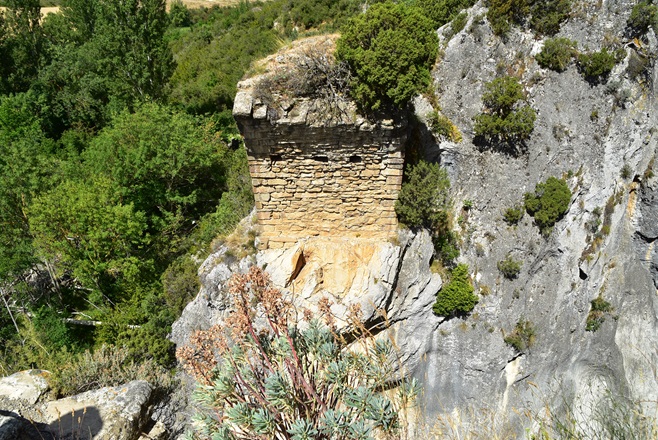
314, 175
586, 134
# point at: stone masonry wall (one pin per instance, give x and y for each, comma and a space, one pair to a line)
323, 181
317, 167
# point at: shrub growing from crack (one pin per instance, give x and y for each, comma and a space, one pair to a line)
509, 267
457, 297
504, 118
523, 336
596, 316
548, 203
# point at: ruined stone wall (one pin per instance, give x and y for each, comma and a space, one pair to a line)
317, 167
323, 181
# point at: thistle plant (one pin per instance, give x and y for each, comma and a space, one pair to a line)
267, 374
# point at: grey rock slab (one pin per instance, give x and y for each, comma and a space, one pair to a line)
28, 385
112, 413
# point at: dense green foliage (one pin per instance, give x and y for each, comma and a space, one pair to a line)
544, 17
644, 15
557, 53
504, 120
283, 380
523, 336
104, 187
548, 203
424, 201
442, 11
456, 298
390, 51
596, 66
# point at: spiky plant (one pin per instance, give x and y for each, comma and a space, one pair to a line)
265, 375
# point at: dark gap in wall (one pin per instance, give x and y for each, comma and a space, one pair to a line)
355, 159
321, 158
276, 157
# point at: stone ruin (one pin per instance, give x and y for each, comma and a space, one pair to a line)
317, 170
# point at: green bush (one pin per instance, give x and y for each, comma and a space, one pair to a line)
457, 297
509, 267
278, 380
548, 203
522, 337
544, 17
513, 216
390, 50
548, 15
443, 11
424, 199
596, 315
503, 13
643, 16
458, 23
595, 67
504, 120
179, 15
556, 53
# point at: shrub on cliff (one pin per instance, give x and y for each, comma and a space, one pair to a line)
523, 336
424, 199
390, 50
504, 120
556, 53
457, 297
548, 203
544, 17
265, 377
644, 15
595, 67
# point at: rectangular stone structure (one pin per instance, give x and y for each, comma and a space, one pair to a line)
317, 176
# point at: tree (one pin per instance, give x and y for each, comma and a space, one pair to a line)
161, 161
131, 34
25, 43
279, 379
390, 50
179, 15
85, 226
26, 163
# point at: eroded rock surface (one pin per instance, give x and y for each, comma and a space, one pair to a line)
112, 413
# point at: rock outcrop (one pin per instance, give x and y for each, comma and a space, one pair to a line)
601, 139
112, 413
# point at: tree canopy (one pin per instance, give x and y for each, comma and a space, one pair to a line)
390, 50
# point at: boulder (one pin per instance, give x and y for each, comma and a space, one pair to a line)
28, 385
112, 413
